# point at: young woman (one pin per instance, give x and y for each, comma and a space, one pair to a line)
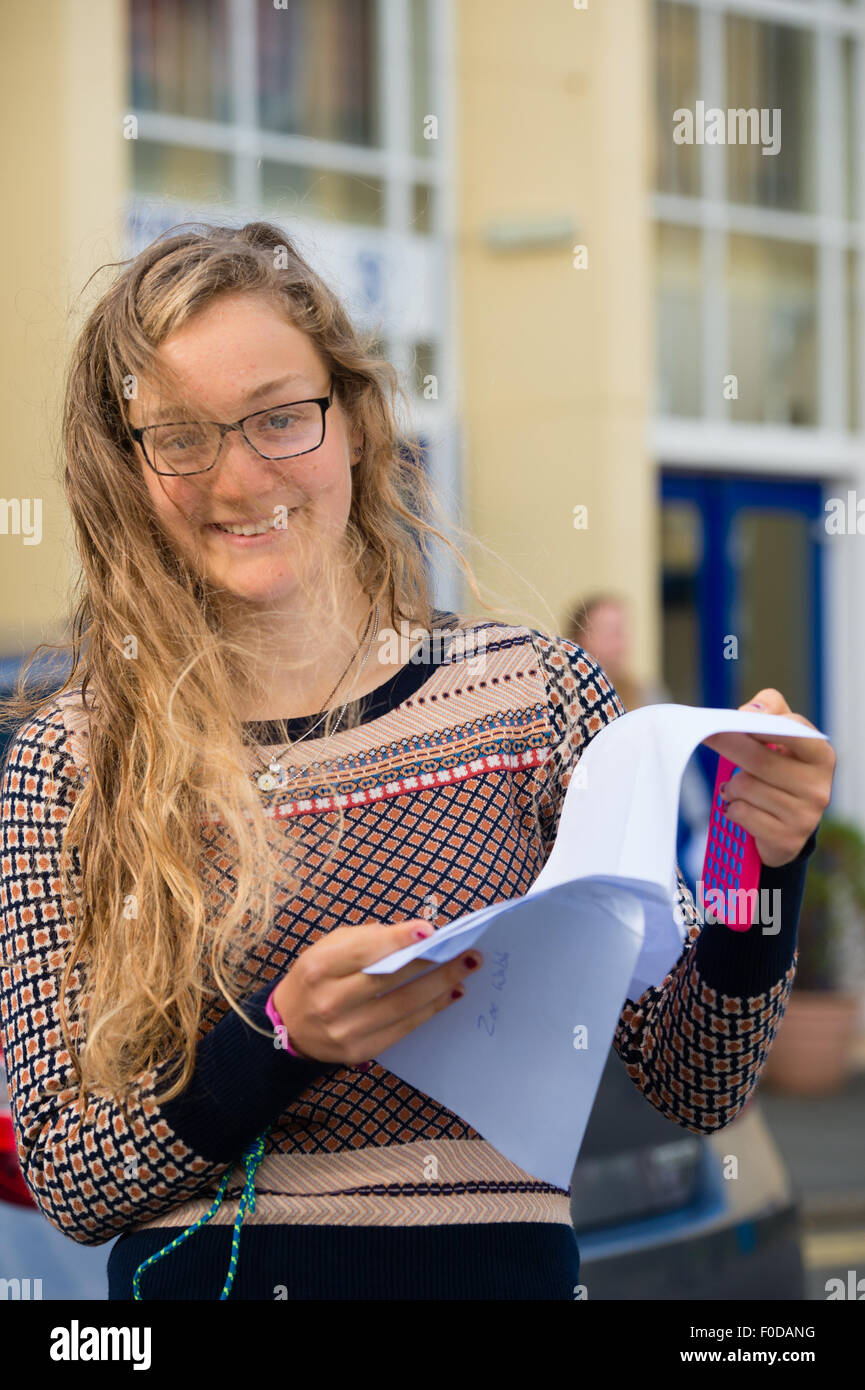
243, 795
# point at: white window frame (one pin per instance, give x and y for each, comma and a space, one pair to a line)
712, 436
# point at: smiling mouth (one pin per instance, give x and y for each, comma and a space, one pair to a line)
250, 528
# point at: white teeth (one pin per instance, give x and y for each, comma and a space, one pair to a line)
253, 529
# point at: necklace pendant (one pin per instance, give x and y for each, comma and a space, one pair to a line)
271, 779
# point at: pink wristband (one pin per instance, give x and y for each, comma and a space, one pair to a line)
271, 1011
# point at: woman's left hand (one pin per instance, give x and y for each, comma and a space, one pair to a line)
783, 785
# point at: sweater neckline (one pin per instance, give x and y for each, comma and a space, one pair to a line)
381, 700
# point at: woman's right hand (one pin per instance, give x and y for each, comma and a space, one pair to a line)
334, 1013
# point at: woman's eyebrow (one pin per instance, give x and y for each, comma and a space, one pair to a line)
173, 412
268, 386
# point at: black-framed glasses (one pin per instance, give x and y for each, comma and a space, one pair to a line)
193, 446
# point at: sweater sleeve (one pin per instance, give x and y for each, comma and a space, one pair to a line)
696, 1044
94, 1172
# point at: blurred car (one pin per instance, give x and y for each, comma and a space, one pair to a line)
654, 1215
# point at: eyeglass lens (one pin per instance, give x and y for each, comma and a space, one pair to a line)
279, 433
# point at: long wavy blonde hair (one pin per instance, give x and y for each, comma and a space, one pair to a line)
166, 748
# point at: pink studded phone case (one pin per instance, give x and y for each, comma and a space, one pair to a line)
731, 862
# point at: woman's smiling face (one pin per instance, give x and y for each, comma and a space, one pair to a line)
234, 347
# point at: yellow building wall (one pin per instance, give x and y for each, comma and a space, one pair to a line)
64, 163
552, 122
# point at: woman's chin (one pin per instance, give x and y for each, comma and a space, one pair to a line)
254, 589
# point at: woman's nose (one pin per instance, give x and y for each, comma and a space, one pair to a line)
238, 458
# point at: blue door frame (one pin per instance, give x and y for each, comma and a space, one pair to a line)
718, 501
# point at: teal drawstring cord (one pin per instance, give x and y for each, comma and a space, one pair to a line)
251, 1158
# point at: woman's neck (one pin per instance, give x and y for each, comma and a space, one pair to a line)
363, 666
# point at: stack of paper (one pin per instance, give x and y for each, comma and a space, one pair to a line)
521, 1057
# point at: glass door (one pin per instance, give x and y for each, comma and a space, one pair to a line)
741, 575
742, 587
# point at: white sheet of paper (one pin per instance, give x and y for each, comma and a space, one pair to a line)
506, 1058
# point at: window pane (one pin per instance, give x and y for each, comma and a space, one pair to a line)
422, 217
774, 612
424, 363
854, 319
317, 69
679, 319
179, 171
420, 73
179, 58
853, 135
291, 189
676, 67
770, 66
772, 306
681, 558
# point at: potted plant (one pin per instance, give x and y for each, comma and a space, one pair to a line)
811, 1051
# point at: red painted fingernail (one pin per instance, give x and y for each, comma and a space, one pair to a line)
458, 994
471, 963
363, 1066
422, 933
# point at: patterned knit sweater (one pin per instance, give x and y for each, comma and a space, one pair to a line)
368, 1188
